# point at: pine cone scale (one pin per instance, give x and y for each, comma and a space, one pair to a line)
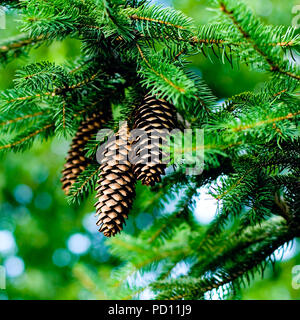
116, 185
156, 118
75, 161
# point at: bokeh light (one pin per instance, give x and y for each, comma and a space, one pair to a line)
7, 242
206, 206
61, 257
23, 194
89, 223
14, 266
79, 243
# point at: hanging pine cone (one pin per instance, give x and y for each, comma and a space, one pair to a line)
155, 117
76, 162
116, 184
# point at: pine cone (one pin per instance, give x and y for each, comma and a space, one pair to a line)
76, 162
155, 117
116, 184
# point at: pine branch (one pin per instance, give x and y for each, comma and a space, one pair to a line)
236, 16
10, 49
8, 121
165, 226
25, 140
259, 123
157, 78
185, 288
154, 20
41, 76
11, 97
11, 3
84, 184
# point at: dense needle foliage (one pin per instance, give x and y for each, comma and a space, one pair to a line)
251, 140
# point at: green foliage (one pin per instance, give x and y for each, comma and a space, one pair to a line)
164, 79
160, 23
18, 46
251, 142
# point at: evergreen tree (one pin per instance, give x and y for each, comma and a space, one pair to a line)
131, 49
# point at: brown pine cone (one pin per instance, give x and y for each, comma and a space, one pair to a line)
116, 184
76, 162
156, 117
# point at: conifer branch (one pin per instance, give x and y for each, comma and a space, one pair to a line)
11, 49
274, 67
166, 23
18, 44
251, 144
27, 116
168, 81
26, 138
84, 183
183, 289
57, 91
259, 123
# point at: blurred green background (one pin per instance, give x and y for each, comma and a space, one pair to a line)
52, 250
